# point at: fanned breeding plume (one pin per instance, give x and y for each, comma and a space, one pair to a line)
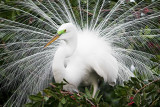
123, 38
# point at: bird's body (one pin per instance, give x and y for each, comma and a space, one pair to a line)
83, 57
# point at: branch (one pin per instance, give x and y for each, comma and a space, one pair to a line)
144, 87
88, 100
70, 93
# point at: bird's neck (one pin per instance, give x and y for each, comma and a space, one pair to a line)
65, 50
70, 46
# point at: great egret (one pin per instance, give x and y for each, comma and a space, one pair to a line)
101, 43
83, 57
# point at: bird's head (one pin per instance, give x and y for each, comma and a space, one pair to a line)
63, 33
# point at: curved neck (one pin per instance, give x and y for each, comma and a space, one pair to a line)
66, 49
70, 46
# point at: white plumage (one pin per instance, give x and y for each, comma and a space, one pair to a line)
102, 44
83, 57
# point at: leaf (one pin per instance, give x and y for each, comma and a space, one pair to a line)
35, 98
39, 94
28, 105
37, 104
60, 104
63, 101
99, 98
137, 99
96, 95
46, 98
87, 93
122, 91
49, 92
149, 88
65, 81
60, 85
151, 93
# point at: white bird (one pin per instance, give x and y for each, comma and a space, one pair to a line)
83, 57
111, 42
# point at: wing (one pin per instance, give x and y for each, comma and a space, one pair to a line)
98, 54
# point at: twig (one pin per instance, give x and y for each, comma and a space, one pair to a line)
145, 86
66, 92
52, 85
88, 100
153, 102
70, 93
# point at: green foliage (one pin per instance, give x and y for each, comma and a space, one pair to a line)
55, 96
136, 92
139, 93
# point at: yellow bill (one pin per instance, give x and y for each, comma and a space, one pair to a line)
52, 40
